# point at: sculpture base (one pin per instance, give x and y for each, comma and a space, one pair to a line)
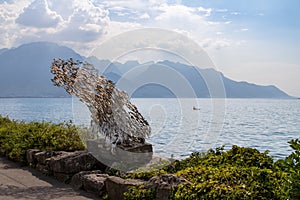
121, 157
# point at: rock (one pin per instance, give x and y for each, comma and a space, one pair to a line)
63, 177
95, 183
137, 147
158, 161
164, 183
74, 162
124, 158
41, 157
116, 186
77, 179
2, 152
43, 168
90, 181
30, 156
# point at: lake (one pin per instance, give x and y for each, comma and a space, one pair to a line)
178, 130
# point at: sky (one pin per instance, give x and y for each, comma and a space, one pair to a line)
248, 40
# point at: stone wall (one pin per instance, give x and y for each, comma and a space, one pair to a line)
83, 171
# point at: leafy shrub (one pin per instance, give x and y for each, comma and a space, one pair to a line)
144, 174
17, 137
139, 193
239, 173
230, 182
291, 165
236, 156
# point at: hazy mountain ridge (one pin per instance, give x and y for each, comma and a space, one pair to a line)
3, 50
25, 72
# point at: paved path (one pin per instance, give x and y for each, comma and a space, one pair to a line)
18, 182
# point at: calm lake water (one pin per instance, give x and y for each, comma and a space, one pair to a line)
178, 130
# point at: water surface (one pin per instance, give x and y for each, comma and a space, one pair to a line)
178, 130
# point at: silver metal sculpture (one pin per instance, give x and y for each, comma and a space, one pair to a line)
112, 113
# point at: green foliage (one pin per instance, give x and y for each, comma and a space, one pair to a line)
291, 165
145, 174
139, 193
236, 156
17, 137
230, 182
239, 173
148, 172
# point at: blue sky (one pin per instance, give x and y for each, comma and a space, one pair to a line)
255, 40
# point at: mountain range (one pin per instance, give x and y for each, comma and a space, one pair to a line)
25, 72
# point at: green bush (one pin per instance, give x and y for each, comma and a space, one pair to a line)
239, 173
139, 193
236, 156
291, 165
17, 137
230, 182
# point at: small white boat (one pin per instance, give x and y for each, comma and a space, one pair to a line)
194, 108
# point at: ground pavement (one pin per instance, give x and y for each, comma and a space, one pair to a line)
17, 182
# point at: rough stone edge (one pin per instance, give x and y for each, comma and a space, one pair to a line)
120, 183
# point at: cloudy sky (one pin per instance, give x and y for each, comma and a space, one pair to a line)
249, 40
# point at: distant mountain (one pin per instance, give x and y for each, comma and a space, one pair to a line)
25, 72
179, 78
3, 50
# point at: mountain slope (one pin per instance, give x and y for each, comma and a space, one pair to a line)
243, 89
3, 50
25, 72
181, 77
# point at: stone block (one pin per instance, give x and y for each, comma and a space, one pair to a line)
74, 162
77, 179
163, 184
116, 186
121, 157
31, 158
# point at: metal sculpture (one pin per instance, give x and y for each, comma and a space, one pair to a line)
112, 113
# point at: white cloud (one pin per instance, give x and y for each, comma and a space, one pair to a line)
9, 31
82, 24
192, 21
132, 4
73, 23
86, 24
221, 10
235, 13
65, 8
39, 15
145, 16
206, 11
179, 17
120, 27
213, 43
